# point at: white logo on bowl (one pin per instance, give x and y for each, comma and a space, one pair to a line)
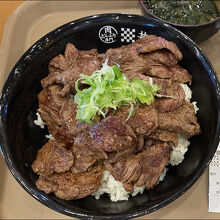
142, 34
108, 34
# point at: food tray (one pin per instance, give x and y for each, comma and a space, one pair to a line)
26, 25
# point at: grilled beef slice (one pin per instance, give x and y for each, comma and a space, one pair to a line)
144, 168
182, 120
109, 135
164, 57
164, 136
52, 157
152, 43
145, 45
166, 104
144, 120
180, 74
68, 119
77, 62
167, 88
50, 103
157, 70
175, 73
59, 115
84, 157
70, 185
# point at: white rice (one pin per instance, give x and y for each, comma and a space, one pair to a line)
195, 107
114, 188
188, 96
162, 176
188, 91
39, 121
177, 154
49, 136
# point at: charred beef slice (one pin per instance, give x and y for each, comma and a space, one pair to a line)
144, 120
164, 136
182, 120
59, 114
53, 157
70, 185
84, 157
176, 97
109, 135
144, 168
68, 71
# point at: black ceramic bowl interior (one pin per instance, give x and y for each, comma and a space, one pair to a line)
198, 33
20, 138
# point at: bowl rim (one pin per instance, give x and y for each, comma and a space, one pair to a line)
33, 191
141, 2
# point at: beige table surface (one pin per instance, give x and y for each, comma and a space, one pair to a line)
15, 203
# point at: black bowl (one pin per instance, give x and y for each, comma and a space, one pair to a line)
20, 138
198, 33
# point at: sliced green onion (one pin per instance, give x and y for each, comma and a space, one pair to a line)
110, 89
